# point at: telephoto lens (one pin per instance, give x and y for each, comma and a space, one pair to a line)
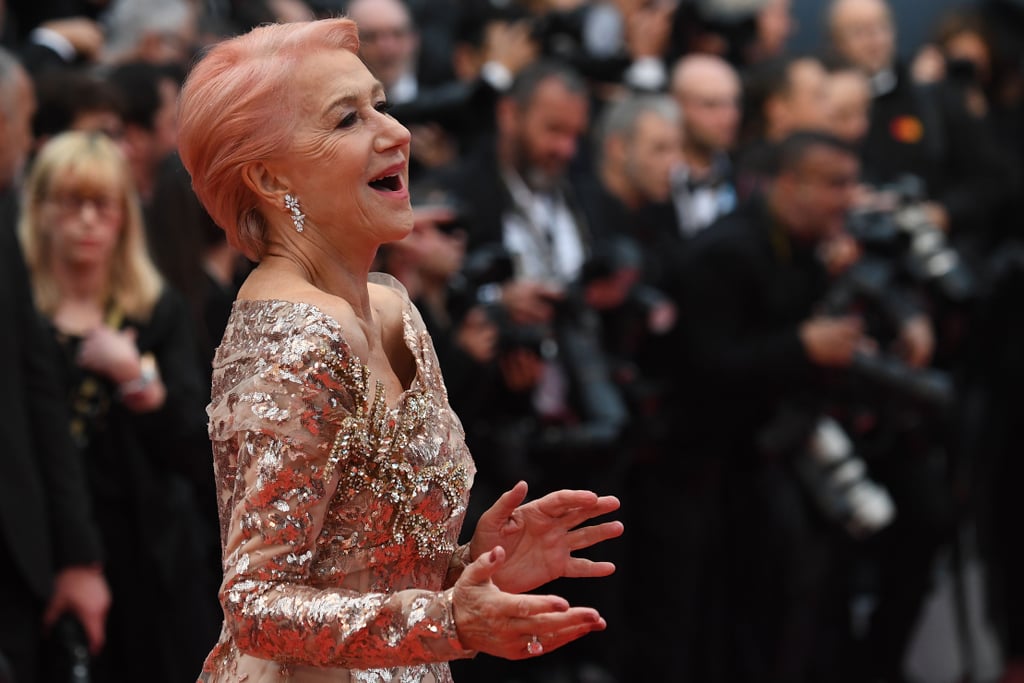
837, 480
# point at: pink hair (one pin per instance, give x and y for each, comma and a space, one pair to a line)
237, 107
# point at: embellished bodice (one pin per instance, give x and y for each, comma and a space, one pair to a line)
339, 513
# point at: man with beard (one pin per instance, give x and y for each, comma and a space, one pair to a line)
555, 413
518, 191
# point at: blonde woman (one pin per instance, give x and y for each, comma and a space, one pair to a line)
134, 397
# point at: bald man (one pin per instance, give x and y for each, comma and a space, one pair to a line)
863, 33
707, 89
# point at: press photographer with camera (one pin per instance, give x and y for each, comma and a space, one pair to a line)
923, 130
751, 342
555, 412
528, 244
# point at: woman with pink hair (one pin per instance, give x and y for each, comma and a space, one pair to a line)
342, 472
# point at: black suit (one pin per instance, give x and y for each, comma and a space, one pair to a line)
45, 521
743, 288
511, 439
927, 132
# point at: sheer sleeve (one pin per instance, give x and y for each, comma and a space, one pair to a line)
460, 560
285, 429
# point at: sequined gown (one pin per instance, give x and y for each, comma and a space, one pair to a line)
339, 514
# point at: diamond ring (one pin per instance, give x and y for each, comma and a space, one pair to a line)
534, 647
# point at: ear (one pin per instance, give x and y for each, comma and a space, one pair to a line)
264, 183
775, 112
615, 148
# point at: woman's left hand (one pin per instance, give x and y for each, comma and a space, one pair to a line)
540, 536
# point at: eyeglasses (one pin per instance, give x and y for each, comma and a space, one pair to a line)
71, 204
378, 35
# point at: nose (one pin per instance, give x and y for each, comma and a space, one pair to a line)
89, 211
392, 134
565, 147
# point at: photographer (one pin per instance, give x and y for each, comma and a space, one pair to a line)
926, 131
638, 143
556, 415
751, 343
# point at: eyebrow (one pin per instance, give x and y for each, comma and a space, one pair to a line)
351, 97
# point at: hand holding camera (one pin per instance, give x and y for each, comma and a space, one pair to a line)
832, 342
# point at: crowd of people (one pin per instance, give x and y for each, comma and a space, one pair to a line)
767, 300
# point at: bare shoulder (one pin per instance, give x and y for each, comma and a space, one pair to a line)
389, 304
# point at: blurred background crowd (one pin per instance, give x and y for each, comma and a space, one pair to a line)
766, 296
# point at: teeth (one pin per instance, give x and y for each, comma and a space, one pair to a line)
389, 182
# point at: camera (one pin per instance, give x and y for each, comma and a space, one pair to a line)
871, 282
904, 237
572, 340
838, 482
829, 469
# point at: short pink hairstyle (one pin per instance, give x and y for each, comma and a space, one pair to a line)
237, 107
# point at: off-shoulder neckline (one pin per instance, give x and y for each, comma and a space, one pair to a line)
386, 280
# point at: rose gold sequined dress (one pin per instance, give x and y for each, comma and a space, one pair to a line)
339, 516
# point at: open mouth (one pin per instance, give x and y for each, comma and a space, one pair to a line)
388, 183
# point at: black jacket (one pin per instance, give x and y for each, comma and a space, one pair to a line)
45, 516
743, 288
927, 132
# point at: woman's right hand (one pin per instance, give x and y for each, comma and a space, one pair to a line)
505, 624
111, 353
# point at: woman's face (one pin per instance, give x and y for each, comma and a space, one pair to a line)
348, 165
85, 222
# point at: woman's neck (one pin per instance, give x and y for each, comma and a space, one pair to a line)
82, 284
83, 298
345, 278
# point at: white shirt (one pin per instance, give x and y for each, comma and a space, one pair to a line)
404, 90
700, 203
541, 234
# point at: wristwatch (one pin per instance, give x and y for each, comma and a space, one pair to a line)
148, 375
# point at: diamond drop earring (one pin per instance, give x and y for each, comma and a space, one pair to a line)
292, 204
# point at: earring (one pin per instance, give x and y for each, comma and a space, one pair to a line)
299, 218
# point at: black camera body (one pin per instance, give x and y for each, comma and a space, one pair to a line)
903, 238
572, 339
871, 283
